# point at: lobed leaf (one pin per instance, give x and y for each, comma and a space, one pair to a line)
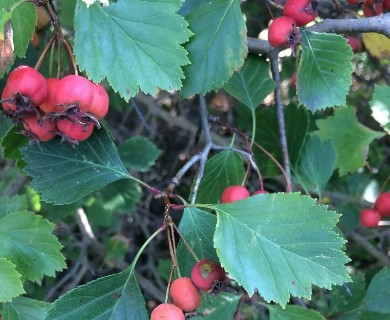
22, 308
380, 106
293, 313
10, 281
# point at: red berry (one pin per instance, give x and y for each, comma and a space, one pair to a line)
205, 273
234, 193
99, 107
185, 295
260, 192
302, 11
382, 204
353, 1
75, 90
75, 131
167, 311
369, 217
49, 104
282, 31
43, 130
26, 81
355, 43
386, 4
372, 8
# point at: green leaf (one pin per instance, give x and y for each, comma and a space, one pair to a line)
316, 165
13, 204
22, 308
134, 44
224, 306
280, 244
222, 170
218, 46
293, 313
342, 301
378, 293
267, 135
64, 174
27, 241
252, 83
113, 297
5, 125
138, 153
197, 227
380, 106
11, 143
10, 282
325, 67
350, 138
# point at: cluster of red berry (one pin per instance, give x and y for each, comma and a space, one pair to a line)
296, 13
235, 193
370, 217
69, 107
206, 276
372, 7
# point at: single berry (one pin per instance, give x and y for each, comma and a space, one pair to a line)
100, 103
185, 294
234, 193
43, 129
372, 8
34, 40
302, 11
205, 273
42, 18
260, 192
27, 82
75, 131
49, 104
355, 43
75, 90
369, 217
282, 31
386, 4
167, 311
382, 204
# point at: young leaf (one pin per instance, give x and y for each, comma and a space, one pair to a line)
316, 165
280, 244
197, 227
138, 153
223, 170
325, 67
113, 297
378, 293
26, 240
218, 46
252, 83
10, 283
267, 135
293, 313
64, 174
350, 138
22, 308
134, 44
380, 106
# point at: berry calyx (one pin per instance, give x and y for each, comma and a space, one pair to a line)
185, 294
369, 217
234, 193
75, 131
100, 103
75, 90
167, 311
382, 204
49, 104
205, 273
42, 129
282, 31
302, 11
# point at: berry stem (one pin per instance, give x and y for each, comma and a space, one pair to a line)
44, 52
186, 243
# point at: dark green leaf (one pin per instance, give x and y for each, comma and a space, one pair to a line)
267, 135
143, 50
10, 281
64, 174
11, 142
378, 293
13, 204
22, 308
350, 138
113, 297
252, 83
316, 164
223, 170
280, 244
325, 70
380, 106
218, 46
223, 306
197, 227
293, 313
138, 153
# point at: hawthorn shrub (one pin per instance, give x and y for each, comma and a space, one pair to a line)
147, 142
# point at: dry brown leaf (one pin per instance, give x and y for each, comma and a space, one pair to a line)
377, 45
6, 47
